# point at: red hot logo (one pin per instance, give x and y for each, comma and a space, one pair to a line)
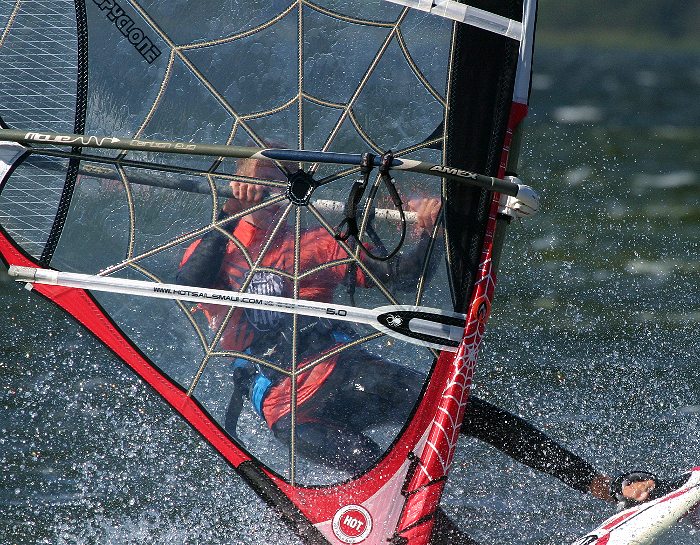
352, 524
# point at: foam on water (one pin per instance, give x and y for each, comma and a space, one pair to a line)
669, 180
583, 113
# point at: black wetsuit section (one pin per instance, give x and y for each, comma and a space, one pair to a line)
526, 444
202, 267
363, 392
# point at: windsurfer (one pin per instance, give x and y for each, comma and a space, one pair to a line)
328, 426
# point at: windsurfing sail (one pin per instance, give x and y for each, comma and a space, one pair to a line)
387, 83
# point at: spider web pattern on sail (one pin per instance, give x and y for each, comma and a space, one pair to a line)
336, 76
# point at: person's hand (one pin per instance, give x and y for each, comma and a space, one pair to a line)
427, 210
633, 487
248, 193
245, 195
638, 491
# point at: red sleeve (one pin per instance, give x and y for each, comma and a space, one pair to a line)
190, 250
318, 247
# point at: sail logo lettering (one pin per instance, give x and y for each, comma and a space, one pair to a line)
352, 524
128, 28
64, 139
234, 297
164, 145
454, 172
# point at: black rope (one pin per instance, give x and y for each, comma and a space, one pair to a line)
81, 97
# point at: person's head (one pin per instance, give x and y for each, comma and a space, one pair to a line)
260, 169
263, 169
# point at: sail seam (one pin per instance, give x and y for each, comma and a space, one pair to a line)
10, 22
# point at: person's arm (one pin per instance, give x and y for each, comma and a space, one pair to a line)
524, 443
404, 270
201, 267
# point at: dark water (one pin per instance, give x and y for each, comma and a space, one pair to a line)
595, 338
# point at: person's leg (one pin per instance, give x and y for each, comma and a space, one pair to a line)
526, 444
362, 392
329, 443
367, 391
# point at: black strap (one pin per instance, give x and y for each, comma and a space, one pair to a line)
358, 189
385, 176
350, 221
619, 482
661, 486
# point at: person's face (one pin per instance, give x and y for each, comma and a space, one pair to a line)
263, 170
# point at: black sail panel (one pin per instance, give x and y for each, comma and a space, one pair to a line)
483, 69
